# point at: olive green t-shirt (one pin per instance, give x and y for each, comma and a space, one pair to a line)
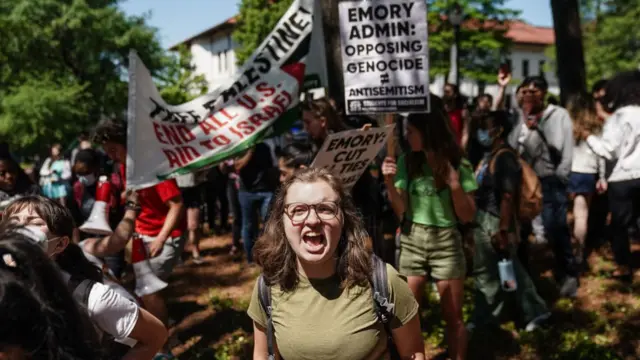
318, 320
429, 206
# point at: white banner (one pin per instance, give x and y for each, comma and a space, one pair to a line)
260, 101
349, 153
385, 56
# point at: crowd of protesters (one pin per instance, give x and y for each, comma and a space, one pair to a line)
454, 194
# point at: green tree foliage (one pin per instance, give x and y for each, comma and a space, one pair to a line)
178, 83
483, 40
255, 21
611, 37
63, 64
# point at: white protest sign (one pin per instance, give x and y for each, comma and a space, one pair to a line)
348, 153
260, 101
385, 56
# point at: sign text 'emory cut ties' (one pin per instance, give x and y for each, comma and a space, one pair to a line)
385, 56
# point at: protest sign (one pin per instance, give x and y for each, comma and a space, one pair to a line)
349, 153
260, 101
385, 56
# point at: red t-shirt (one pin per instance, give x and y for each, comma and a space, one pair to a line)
456, 124
154, 209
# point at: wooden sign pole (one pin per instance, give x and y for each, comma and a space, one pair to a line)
389, 119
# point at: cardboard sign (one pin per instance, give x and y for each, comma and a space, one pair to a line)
260, 101
385, 56
349, 153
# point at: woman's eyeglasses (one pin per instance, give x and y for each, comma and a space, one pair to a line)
299, 212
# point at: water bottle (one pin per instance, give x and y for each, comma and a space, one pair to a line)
507, 275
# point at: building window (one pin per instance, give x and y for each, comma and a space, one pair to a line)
223, 61
541, 65
525, 68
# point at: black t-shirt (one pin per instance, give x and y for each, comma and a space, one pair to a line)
259, 174
505, 179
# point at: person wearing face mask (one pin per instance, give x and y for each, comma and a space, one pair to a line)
129, 331
110, 248
544, 138
499, 179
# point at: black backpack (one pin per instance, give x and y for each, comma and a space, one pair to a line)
80, 290
381, 304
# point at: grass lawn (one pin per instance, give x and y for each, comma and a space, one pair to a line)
208, 304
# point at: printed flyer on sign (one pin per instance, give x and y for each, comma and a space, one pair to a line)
349, 153
260, 101
385, 56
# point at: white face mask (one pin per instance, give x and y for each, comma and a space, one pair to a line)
37, 236
87, 180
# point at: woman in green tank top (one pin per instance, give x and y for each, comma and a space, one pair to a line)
431, 191
316, 263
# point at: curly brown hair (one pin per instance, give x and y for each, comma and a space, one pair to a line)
278, 260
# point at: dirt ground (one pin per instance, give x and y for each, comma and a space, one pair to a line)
208, 303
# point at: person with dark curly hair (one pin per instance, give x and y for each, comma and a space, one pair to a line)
620, 142
39, 317
315, 260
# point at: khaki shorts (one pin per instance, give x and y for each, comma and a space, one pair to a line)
430, 250
163, 264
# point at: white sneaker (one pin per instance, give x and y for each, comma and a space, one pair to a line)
535, 323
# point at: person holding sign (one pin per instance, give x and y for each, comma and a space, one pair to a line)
320, 118
431, 189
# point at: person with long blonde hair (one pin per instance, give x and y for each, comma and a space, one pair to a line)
587, 169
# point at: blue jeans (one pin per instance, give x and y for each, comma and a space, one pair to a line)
249, 202
554, 217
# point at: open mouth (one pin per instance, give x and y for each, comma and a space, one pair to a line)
313, 241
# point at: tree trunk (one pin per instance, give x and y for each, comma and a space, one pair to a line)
569, 51
331, 24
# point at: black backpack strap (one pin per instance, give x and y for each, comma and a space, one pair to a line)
264, 293
80, 289
382, 305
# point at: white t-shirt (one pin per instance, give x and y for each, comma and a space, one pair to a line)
111, 312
